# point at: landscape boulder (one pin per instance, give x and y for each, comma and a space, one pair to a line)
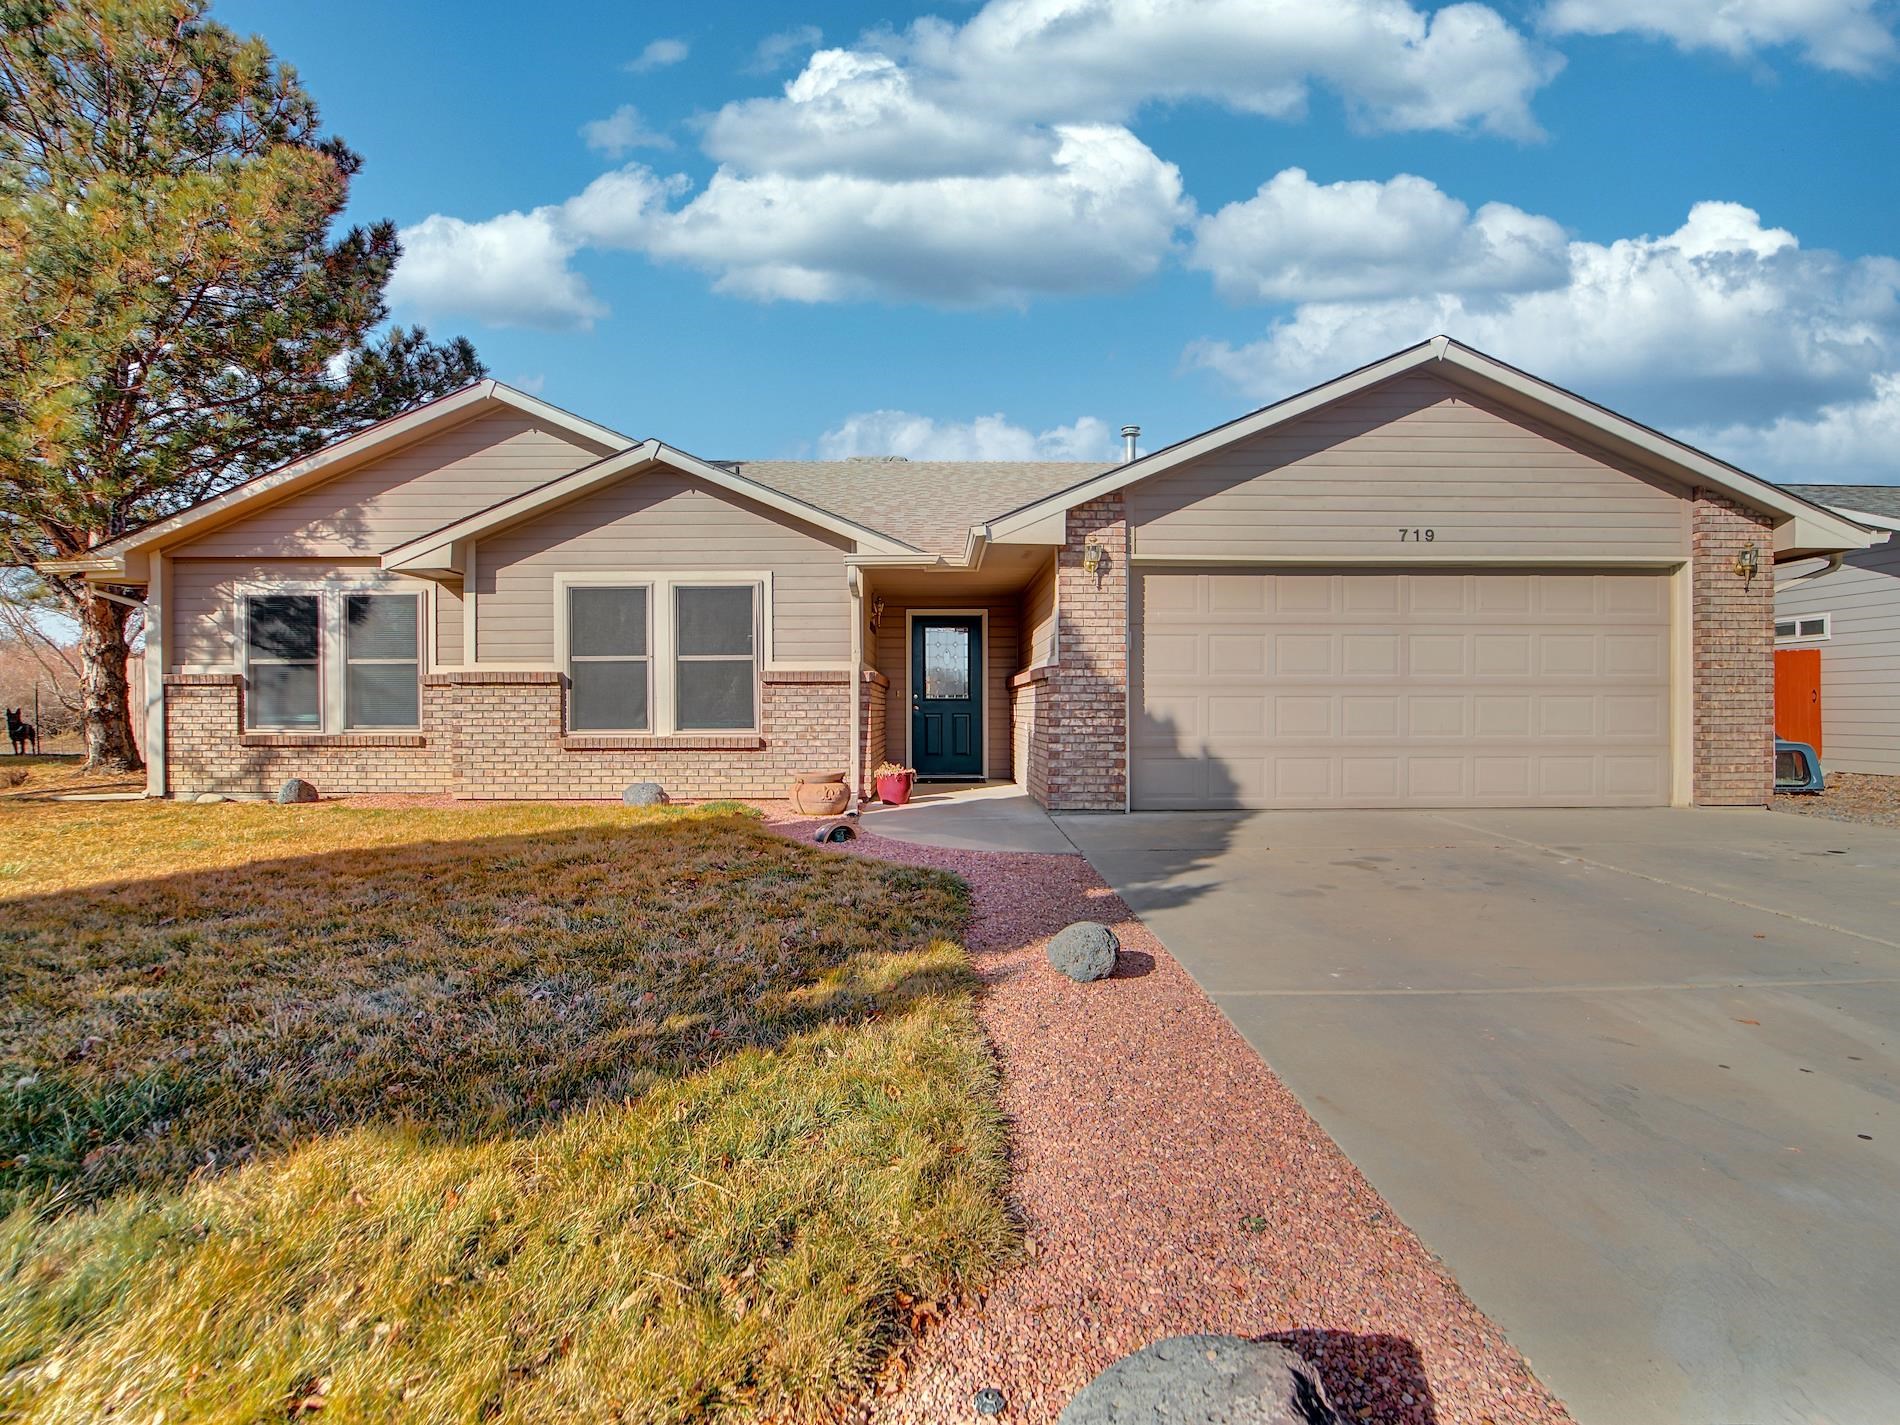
1204, 1380
644, 794
295, 790
208, 798
1084, 951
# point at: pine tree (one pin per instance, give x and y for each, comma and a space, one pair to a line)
175, 315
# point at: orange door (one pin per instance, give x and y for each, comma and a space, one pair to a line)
1798, 696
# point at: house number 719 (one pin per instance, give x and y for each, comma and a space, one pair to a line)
1419, 536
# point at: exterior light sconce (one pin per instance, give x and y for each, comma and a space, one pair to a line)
1748, 564
877, 611
1093, 557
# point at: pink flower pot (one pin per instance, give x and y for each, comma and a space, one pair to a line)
893, 791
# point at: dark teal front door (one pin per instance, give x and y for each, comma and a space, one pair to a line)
946, 695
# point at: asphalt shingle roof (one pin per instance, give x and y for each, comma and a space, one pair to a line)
929, 504
1882, 500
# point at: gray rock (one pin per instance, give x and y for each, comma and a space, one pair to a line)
205, 799
1084, 951
295, 790
644, 794
1204, 1380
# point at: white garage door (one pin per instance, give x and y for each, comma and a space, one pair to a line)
1400, 688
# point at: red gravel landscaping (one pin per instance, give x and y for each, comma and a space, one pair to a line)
1170, 1183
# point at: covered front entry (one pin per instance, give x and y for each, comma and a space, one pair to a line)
1401, 687
947, 692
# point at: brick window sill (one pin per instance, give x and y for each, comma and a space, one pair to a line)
332, 739
670, 742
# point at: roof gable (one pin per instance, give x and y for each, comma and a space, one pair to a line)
425, 420
1801, 526
443, 550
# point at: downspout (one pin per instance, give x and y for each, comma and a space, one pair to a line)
854, 580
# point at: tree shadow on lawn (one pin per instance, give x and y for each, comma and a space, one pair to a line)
163, 1028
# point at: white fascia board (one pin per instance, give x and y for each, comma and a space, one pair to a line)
1882, 522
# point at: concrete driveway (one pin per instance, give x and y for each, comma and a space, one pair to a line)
1632, 1074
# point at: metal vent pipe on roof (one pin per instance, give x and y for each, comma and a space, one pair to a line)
1130, 434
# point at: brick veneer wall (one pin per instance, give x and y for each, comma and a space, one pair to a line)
877, 692
206, 749
1082, 711
1734, 655
1031, 718
492, 735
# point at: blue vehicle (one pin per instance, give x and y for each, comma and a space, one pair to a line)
1797, 769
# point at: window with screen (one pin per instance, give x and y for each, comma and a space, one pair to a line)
609, 659
382, 656
281, 641
715, 660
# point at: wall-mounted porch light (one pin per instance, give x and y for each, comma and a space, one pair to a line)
1748, 564
1092, 556
877, 611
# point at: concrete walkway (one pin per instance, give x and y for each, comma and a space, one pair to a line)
1634, 1075
993, 816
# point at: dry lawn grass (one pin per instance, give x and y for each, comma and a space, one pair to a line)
32, 776
510, 1114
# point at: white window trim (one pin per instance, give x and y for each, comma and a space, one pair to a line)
1783, 640
331, 665
661, 694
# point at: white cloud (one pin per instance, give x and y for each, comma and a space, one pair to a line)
985, 438
858, 112
775, 50
1849, 35
657, 55
1721, 321
1843, 441
1099, 212
1395, 65
989, 162
621, 132
511, 270
1296, 240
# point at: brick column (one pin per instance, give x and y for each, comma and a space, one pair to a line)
1087, 705
1734, 654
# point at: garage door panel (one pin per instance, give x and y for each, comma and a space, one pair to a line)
1400, 689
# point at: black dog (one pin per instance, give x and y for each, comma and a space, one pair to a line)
23, 734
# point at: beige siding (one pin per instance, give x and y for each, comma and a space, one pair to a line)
891, 656
405, 494
653, 523
449, 612
1415, 453
1860, 663
1039, 618
201, 600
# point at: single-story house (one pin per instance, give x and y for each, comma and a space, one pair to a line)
1436, 581
1846, 620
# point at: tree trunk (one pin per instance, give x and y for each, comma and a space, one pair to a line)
103, 650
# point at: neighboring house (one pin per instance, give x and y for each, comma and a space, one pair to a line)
1435, 581
1850, 617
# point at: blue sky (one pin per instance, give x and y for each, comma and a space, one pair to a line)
1005, 229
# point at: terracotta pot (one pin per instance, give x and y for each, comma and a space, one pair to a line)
813, 798
894, 791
